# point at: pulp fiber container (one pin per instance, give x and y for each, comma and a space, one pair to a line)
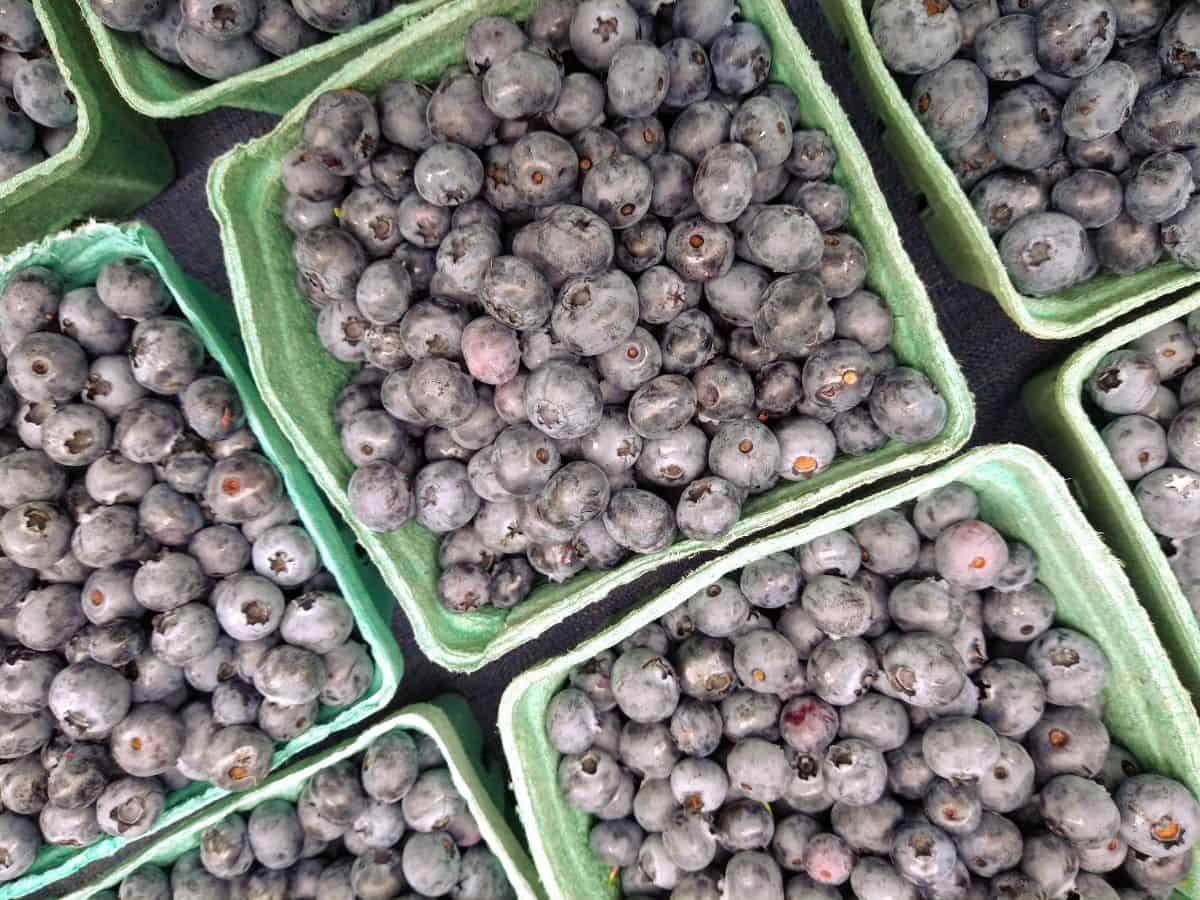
78, 256
1055, 402
448, 720
960, 238
1147, 708
116, 162
165, 91
300, 380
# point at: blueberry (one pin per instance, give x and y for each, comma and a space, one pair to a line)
698, 128
334, 16
1078, 809
1004, 198
1006, 48
639, 79
593, 315
447, 174
220, 21
1180, 236
951, 102
786, 239
1108, 154
708, 508
69, 827
491, 39
970, 554
589, 780
1100, 102
1158, 816
1011, 696
1091, 197
923, 669
906, 406
369, 215
46, 366
43, 94
842, 671
1075, 36
218, 59
1051, 862
995, 846
1123, 382
913, 37
1068, 740
599, 28
380, 497
873, 877
128, 807
1072, 666
1160, 188
279, 29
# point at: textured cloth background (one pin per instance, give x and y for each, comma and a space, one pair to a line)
997, 358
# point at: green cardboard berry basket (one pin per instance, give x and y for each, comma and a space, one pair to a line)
1147, 708
300, 380
164, 91
78, 256
1055, 402
116, 162
960, 238
447, 719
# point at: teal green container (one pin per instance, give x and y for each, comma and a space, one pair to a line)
1055, 402
116, 162
1147, 709
960, 238
78, 257
164, 91
448, 720
299, 380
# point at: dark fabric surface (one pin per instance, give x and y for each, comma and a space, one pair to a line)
995, 356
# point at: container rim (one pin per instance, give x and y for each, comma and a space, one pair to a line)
209, 95
966, 246
533, 793
242, 241
435, 719
196, 305
1062, 388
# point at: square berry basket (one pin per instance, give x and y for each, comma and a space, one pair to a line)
78, 256
957, 234
448, 720
164, 91
116, 162
300, 380
1054, 399
1147, 708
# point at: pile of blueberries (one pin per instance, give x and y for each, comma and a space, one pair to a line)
218, 39
391, 825
37, 110
1071, 122
1149, 396
595, 308
162, 618
890, 707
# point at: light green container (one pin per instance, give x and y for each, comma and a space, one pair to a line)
448, 720
300, 380
78, 257
164, 91
960, 238
1055, 402
116, 162
1147, 708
